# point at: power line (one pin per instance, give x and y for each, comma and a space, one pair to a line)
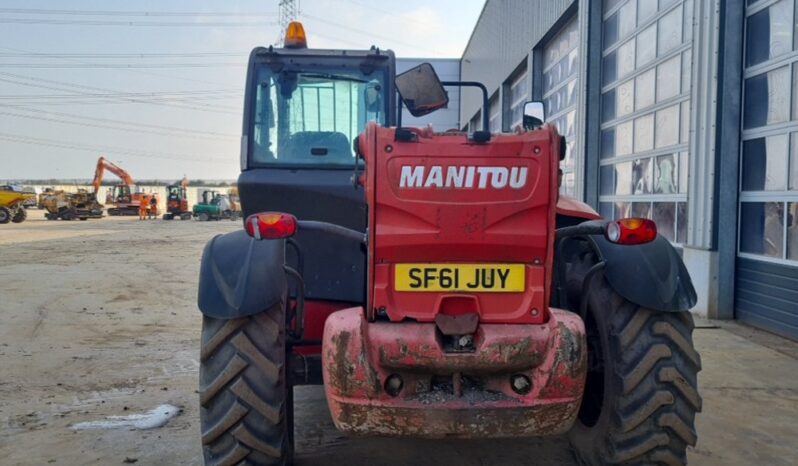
119, 55
120, 65
62, 84
193, 94
115, 128
111, 149
88, 22
150, 73
367, 33
62, 99
403, 17
40, 11
33, 102
354, 44
186, 103
122, 122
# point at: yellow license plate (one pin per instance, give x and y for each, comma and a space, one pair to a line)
490, 278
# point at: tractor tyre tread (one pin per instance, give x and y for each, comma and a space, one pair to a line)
5, 215
20, 216
651, 397
243, 394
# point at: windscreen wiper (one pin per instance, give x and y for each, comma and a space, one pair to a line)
334, 77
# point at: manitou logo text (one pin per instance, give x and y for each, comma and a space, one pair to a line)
463, 177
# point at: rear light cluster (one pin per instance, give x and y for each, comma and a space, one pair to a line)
270, 225
276, 225
631, 231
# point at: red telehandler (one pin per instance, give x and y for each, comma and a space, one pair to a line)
437, 284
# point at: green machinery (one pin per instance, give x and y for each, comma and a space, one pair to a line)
216, 206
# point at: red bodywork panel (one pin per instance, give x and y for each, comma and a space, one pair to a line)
359, 356
397, 365
571, 207
175, 206
446, 199
316, 314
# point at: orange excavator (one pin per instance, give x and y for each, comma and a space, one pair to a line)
121, 196
177, 201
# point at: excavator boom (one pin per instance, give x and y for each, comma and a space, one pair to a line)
126, 202
102, 165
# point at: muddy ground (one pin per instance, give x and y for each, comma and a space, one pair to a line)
98, 319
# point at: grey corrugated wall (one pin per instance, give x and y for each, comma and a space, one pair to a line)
766, 295
503, 37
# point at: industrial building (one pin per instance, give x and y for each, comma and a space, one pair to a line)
683, 111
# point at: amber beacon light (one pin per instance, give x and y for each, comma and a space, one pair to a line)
295, 36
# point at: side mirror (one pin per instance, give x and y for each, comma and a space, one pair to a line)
534, 115
421, 90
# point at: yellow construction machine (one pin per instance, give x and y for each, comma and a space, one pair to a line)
62, 205
11, 200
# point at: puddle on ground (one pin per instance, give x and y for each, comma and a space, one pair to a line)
157, 417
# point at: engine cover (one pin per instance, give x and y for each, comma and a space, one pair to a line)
459, 227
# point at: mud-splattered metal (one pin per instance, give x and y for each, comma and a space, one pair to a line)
358, 357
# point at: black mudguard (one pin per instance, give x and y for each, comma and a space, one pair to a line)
240, 276
651, 275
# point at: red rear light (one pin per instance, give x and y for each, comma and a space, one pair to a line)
270, 225
631, 231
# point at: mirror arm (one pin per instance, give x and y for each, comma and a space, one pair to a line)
485, 100
399, 112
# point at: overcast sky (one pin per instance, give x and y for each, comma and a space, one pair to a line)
67, 96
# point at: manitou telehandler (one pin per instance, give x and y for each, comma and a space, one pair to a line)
437, 284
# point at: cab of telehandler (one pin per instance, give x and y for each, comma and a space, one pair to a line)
303, 110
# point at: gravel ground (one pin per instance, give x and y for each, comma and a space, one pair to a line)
99, 319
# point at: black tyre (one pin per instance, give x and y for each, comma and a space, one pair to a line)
203, 217
20, 216
243, 390
5, 215
641, 396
